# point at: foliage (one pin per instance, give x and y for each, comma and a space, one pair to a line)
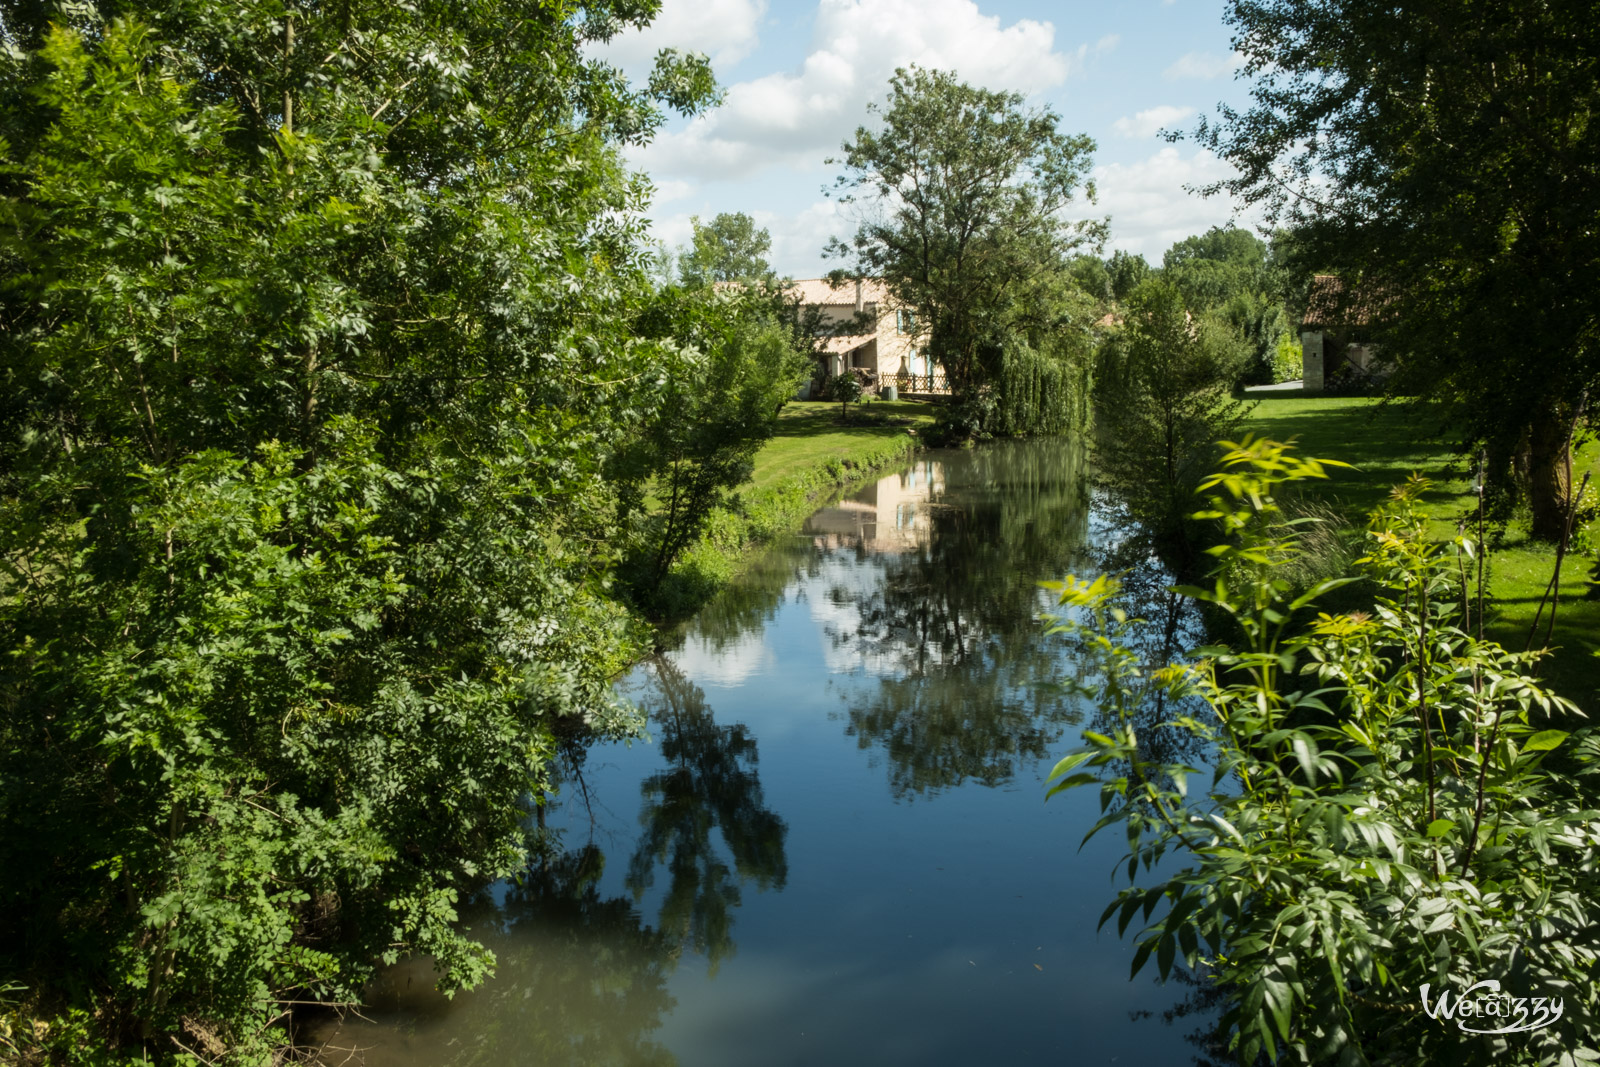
1444, 161
1388, 807
1037, 395
1234, 274
1288, 359
844, 388
315, 347
726, 373
728, 249
1127, 272
967, 189
1164, 394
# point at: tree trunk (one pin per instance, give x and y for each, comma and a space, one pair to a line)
1548, 476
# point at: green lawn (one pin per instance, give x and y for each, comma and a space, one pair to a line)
1388, 443
810, 434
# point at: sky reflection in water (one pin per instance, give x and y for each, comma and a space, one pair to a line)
835, 850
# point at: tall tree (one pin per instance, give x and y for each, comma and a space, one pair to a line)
729, 249
1165, 400
313, 335
1445, 160
964, 191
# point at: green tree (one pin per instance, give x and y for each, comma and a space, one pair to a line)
1127, 273
1230, 272
1165, 396
727, 366
967, 191
315, 347
730, 249
1444, 161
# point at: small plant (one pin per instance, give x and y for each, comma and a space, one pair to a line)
845, 388
1384, 815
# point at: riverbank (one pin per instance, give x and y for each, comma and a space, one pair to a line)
1386, 444
813, 456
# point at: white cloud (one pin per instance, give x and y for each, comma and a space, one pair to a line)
672, 189
1149, 207
798, 240
798, 117
725, 30
1147, 123
1107, 43
1204, 65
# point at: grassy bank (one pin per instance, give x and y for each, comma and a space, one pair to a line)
1386, 444
813, 457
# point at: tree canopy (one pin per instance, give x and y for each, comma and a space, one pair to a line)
317, 339
728, 249
1445, 162
963, 193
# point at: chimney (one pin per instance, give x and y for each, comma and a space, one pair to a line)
859, 304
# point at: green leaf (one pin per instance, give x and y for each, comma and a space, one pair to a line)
1440, 827
1544, 740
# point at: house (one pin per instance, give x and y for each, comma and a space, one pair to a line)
1333, 339
875, 336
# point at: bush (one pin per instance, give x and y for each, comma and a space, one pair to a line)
1395, 806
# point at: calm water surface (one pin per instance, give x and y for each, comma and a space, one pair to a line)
835, 848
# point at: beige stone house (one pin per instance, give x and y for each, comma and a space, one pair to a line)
883, 339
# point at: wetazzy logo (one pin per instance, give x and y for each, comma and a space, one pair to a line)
1499, 1013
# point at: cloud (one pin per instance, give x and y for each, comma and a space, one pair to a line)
1149, 207
797, 117
725, 30
1204, 65
1147, 123
1107, 43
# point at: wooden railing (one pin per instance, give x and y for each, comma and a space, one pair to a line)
933, 382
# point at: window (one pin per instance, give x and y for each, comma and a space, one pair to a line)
904, 321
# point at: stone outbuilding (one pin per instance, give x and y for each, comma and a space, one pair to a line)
1334, 344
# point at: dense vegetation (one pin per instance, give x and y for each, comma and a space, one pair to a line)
966, 228
329, 348
1392, 806
1444, 160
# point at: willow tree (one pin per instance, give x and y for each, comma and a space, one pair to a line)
965, 192
1445, 160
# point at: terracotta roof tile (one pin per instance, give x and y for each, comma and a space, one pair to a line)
818, 291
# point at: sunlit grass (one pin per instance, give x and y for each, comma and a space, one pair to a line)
1387, 443
810, 433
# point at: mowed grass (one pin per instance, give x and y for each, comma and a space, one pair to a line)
810, 434
1386, 444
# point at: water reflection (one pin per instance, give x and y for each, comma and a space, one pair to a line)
967, 691
709, 783
902, 623
581, 982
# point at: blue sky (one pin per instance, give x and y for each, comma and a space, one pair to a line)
799, 74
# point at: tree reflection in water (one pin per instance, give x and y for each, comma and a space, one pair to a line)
710, 783
969, 686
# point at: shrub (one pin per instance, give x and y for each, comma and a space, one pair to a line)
1394, 805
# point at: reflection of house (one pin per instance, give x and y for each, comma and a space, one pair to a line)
1333, 340
890, 515
882, 339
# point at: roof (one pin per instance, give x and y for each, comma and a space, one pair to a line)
846, 343
1328, 305
818, 291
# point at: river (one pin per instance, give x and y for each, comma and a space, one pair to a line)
835, 848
